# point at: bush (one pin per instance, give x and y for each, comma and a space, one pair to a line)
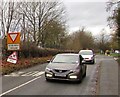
29, 49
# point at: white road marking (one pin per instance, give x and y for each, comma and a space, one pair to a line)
19, 86
39, 73
15, 74
32, 73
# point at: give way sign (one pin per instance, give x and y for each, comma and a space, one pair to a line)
13, 41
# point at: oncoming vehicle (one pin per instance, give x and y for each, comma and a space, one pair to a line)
88, 55
66, 67
117, 51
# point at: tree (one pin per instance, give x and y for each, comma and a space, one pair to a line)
81, 39
114, 42
33, 19
50, 13
55, 34
114, 18
9, 20
40, 16
103, 41
8, 16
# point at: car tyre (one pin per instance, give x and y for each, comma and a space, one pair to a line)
78, 81
84, 74
48, 80
81, 77
93, 62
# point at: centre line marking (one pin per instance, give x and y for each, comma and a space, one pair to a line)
19, 86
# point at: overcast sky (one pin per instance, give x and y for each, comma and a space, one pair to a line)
88, 13
92, 15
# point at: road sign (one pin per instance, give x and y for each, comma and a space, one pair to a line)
13, 58
13, 41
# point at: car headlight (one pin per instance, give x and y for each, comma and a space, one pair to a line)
49, 75
90, 58
48, 72
73, 76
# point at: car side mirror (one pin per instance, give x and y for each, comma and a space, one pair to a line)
83, 62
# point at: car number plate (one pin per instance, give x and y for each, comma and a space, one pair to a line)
61, 75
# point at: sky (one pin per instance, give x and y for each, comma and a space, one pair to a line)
90, 14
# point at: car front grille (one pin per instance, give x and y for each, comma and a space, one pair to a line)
60, 71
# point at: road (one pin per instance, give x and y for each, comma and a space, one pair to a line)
31, 81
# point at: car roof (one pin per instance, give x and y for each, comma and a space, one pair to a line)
85, 50
68, 54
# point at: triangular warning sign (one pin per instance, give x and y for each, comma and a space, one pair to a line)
13, 36
12, 58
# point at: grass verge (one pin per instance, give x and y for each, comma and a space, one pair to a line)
7, 67
115, 55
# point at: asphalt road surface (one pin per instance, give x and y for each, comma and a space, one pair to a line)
31, 81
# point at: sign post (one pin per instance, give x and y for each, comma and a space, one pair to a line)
13, 44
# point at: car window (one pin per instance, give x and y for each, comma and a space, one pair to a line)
66, 59
86, 53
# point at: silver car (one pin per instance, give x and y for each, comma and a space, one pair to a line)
88, 55
66, 67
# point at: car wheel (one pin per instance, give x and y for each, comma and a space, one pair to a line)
93, 62
48, 79
81, 77
84, 74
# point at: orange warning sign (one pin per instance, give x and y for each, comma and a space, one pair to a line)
13, 38
13, 41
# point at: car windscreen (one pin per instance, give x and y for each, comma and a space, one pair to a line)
86, 53
65, 59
